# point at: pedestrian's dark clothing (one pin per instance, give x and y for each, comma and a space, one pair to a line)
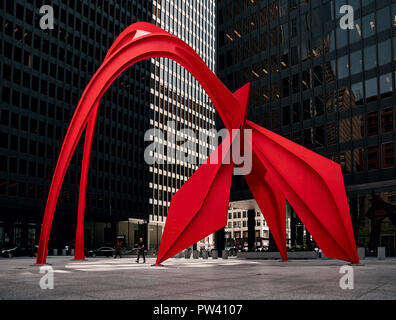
118, 250
141, 249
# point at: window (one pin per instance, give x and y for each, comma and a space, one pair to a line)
356, 62
372, 123
386, 85
373, 158
383, 21
387, 120
343, 67
355, 34
342, 38
388, 155
371, 89
368, 25
370, 58
357, 93
385, 56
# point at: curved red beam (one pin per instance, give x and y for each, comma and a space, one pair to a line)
199, 208
138, 42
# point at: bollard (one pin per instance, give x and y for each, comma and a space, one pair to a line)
381, 253
55, 252
187, 254
361, 253
63, 252
204, 254
195, 254
214, 254
72, 252
224, 254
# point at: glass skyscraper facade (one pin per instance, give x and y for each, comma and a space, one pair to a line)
179, 103
324, 87
44, 73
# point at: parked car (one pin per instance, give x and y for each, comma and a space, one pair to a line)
19, 252
102, 251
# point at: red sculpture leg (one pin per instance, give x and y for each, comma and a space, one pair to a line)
314, 187
79, 253
199, 207
271, 202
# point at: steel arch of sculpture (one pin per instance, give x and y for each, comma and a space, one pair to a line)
281, 169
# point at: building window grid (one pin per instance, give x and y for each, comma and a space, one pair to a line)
382, 73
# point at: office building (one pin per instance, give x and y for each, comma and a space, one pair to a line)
327, 88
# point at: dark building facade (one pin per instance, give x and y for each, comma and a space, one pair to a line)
43, 74
326, 88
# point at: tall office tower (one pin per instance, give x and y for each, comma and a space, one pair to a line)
43, 75
179, 104
325, 87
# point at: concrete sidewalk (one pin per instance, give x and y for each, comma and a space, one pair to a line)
109, 278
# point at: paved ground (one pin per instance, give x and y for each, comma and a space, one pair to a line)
108, 278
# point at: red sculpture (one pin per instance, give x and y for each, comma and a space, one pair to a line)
281, 169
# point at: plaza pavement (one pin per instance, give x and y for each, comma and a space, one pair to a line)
108, 278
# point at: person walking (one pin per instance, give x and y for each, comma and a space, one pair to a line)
118, 249
141, 248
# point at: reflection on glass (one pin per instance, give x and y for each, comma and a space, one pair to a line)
345, 161
345, 130
371, 89
394, 15
372, 123
370, 58
388, 155
355, 34
386, 85
331, 133
356, 62
383, 22
358, 160
373, 158
357, 93
385, 52
368, 25
343, 67
296, 112
342, 38
329, 42
387, 120
357, 127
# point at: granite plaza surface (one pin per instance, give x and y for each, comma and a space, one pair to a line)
194, 279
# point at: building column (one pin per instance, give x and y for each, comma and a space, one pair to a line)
251, 228
219, 236
271, 243
293, 227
